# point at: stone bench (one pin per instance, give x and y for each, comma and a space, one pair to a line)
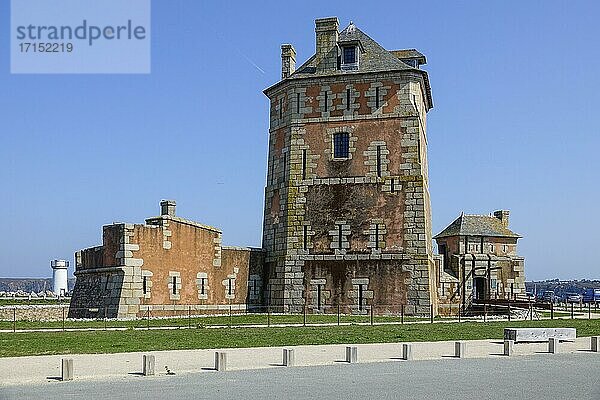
539, 334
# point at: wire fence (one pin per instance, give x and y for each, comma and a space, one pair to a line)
62, 317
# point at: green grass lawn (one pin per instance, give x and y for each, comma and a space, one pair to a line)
42, 343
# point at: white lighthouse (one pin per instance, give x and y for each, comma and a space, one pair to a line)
59, 277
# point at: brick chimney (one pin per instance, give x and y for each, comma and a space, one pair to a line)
167, 207
502, 215
288, 60
326, 39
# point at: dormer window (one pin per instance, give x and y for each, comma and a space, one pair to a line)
350, 55
349, 58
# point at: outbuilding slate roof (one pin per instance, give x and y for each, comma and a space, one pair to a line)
477, 225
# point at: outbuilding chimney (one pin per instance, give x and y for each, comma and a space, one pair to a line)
288, 60
502, 215
167, 207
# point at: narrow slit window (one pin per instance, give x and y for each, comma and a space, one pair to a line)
379, 161
319, 297
297, 103
377, 97
203, 286
340, 237
230, 286
280, 108
145, 285
326, 101
174, 284
284, 165
347, 99
305, 238
392, 185
341, 145
376, 236
360, 297
304, 164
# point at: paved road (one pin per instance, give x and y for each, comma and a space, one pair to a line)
560, 376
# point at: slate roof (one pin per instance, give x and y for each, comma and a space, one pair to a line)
476, 225
409, 53
373, 57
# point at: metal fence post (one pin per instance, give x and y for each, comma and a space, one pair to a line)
431, 313
459, 307
148, 319
304, 315
589, 310
15, 319
230, 315
372, 314
551, 310
572, 315
484, 312
509, 310
402, 314
338, 316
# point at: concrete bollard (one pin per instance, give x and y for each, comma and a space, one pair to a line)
553, 345
509, 347
67, 369
407, 352
595, 344
351, 354
148, 362
460, 349
288, 357
220, 361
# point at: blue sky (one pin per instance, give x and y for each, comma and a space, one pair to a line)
515, 125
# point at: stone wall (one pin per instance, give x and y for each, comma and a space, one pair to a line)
34, 313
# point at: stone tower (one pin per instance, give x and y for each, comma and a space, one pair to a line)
347, 212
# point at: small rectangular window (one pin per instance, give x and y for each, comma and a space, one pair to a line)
341, 145
349, 55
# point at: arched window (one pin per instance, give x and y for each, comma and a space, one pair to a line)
341, 145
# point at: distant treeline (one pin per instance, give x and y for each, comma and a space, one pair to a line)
30, 284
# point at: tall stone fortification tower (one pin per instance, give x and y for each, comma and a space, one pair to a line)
347, 212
